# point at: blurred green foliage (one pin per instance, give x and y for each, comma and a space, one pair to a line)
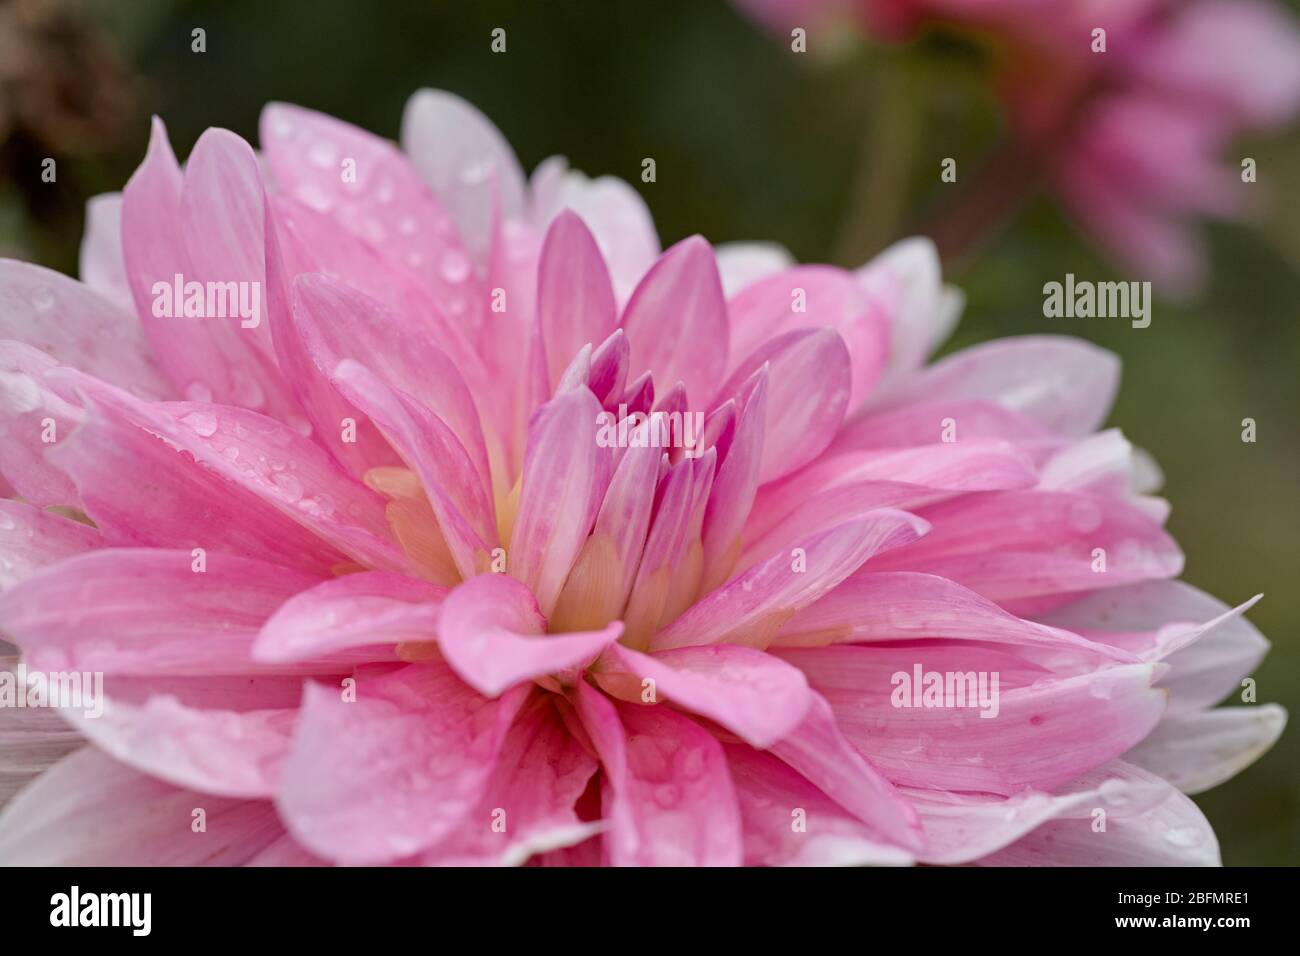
754, 142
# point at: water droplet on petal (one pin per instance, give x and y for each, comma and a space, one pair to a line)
203, 424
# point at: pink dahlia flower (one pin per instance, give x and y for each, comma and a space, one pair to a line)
393, 567
1132, 140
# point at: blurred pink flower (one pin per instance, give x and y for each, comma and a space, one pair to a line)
1131, 140
370, 585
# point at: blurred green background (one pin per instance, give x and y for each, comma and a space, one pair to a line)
751, 142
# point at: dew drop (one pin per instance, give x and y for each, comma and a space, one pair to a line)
202, 424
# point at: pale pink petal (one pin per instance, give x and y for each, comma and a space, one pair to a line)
752, 608
1030, 739
90, 810
742, 263
466, 161
35, 416
428, 744
667, 796
732, 497
76, 325
1198, 751
491, 633
100, 263
354, 611
1140, 832
754, 695
680, 300
1067, 384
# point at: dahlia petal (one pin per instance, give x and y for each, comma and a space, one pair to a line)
758, 697
773, 798
680, 300
33, 410
1016, 545
907, 280
813, 296
90, 810
924, 422
286, 851
740, 264
491, 633
575, 301
1067, 384
100, 263
222, 752
456, 491
338, 322
1200, 674
1032, 742
1198, 751
732, 497
384, 201
76, 325
354, 611
1172, 832
667, 796
818, 751
205, 227
888, 606
528, 804
144, 611
614, 211
31, 539
752, 608
466, 161
429, 744
809, 374
963, 827
268, 461
564, 481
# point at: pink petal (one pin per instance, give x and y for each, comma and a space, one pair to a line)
31, 539
34, 408
808, 392
680, 300
667, 795
753, 607
732, 497
818, 751
924, 422
754, 695
142, 611
456, 491
890, 606
773, 798
575, 301
564, 481
491, 632
266, 462
429, 744
90, 810
354, 611
528, 804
